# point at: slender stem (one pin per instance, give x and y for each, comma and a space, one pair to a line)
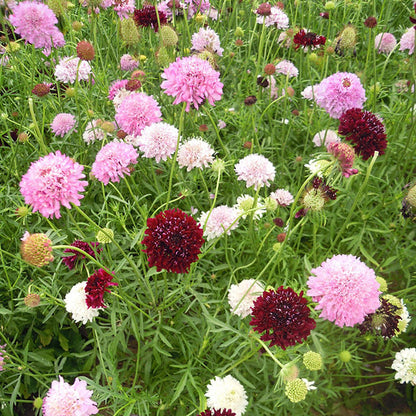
38, 134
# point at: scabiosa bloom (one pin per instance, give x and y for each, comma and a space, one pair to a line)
52, 181
345, 288
245, 204
255, 170
227, 393
345, 155
407, 41
128, 63
222, 219
206, 38
339, 93
405, 366
63, 123
325, 137
97, 285
71, 68
192, 80
115, 87
2, 350
283, 197
147, 16
221, 412
75, 256
42, 89
36, 23
158, 140
287, 68
402, 312
365, 130
173, 240
76, 304
93, 131
195, 153
241, 297
124, 8
308, 40
137, 111
196, 6
297, 389
36, 249
114, 161
284, 317
277, 18
385, 43
64, 399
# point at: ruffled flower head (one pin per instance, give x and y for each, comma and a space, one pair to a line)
72, 68
97, 285
345, 155
62, 124
405, 366
308, 40
255, 170
385, 43
221, 219
76, 304
195, 153
241, 296
147, 16
75, 256
206, 38
276, 17
407, 41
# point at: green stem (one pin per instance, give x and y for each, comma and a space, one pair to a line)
38, 134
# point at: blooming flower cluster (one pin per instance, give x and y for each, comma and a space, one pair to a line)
72, 68
241, 296
195, 153
90, 248
256, 170
206, 38
97, 285
76, 304
220, 220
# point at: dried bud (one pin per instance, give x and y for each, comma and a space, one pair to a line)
269, 69
250, 100
121, 134
36, 249
265, 9
239, 42
262, 81
41, 89
107, 126
138, 74
133, 85
370, 22
203, 128
281, 237
77, 26
85, 51
32, 300
247, 145
278, 222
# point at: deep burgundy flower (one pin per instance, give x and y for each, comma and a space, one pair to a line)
221, 412
147, 16
364, 130
250, 100
96, 286
370, 22
305, 39
89, 248
284, 315
173, 240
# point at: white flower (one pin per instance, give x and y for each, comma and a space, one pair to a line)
245, 204
405, 318
195, 153
405, 365
76, 303
241, 297
318, 167
221, 219
71, 68
325, 137
227, 393
255, 170
309, 384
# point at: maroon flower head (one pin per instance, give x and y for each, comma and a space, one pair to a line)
96, 286
221, 412
173, 240
364, 130
283, 315
265, 9
147, 16
305, 39
89, 248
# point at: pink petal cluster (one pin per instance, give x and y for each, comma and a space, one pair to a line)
71, 68
137, 111
196, 6
195, 153
128, 63
255, 170
35, 22
325, 137
115, 87
407, 41
64, 399
192, 80
345, 155
287, 68
2, 350
206, 38
283, 197
345, 288
385, 43
113, 161
93, 131
124, 8
52, 181
277, 18
339, 93
221, 219
62, 124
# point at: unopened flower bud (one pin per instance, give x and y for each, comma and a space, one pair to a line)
36, 249
32, 300
85, 51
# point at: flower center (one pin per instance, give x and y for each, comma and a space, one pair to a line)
346, 82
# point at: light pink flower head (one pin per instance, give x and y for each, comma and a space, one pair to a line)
128, 63
206, 38
277, 18
2, 349
195, 153
345, 155
345, 288
255, 170
124, 8
71, 68
385, 43
221, 219
339, 93
115, 87
52, 181
93, 131
114, 161
192, 80
137, 111
325, 137
309, 92
283, 197
64, 399
35, 22
62, 124
407, 41
287, 68
196, 6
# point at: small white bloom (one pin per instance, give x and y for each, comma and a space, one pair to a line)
405, 365
245, 204
76, 303
309, 384
241, 297
318, 167
195, 153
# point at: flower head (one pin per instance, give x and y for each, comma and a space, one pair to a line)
76, 304
241, 296
96, 286
148, 16
221, 412
128, 63
244, 205
64, 399
36, 249
206, 38
255, 170
105, 235
115, 87
405, 366
287, 68
345, 154
283, 197
114, 161
277, 18
385, 43
284, 317
221, 219
325, 137
42, 89
227, 393
173, 241
297, 389
2, 350
407, 41
85, 51
345, 288
93, 131
71, 68
52, 181
195, 153
308, 40
62, 124
365, 130
312, 360
90, 248
192, 80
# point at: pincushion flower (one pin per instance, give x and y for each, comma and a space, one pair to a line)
192, 80
345, 156
241, 296
147, 16
345, 288
365, 130
76, 304
284, 317
385, 43
308, 40
244, 206
63, 123
206, 38
407, 41
325, 137
405, 366
124, 8
221, 219
72, 68
128, 63
97, 285
255, 170
277, 18
195, 153
36, 23
214, 412
52, 181
64, 399
36, 249
90, 248
2, 350
297, 389
287, 68
173, 241
339, 93
115, 87
93, 131
227, 393
114, 161
137, 111
283, 197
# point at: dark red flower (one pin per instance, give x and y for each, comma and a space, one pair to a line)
370, 22
147, 16
221, 412
90, 248
96, 286
41, 89
284, 315
306, 39
364, 130
173, 240
265, 9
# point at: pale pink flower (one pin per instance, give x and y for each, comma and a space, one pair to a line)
345, 155
277, 18
308, 92
2, 350
283, 197
385, 43
221, 124
255, 170
62, 124
114, 161
221, 219
241, 296
115, 87
407, 41
325, 137
52, 181
195, 6
128, 63
71, 68
93, 131
195, 153
287, 68
123, 8
345, 288
206, 38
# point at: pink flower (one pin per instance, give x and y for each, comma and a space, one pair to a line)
2, 349
221, 219
385, 43
35, 22
71, 68
309, 92
123, 8
93, 131
192, 80
277, 18
206, 38
255, 170
287, 68
115, 87
128, 63
137, 111
195, 6
339, 93
325, 137
345, 155
62, 124
64, 399
407, 41
195, 153
113, 162
345, 288
283, 197
52, 181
